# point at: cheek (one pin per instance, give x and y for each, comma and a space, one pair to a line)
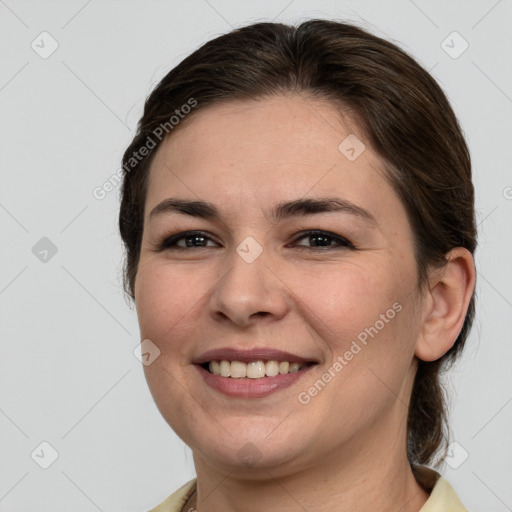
345, 300
366, 321
365, 317
168, 298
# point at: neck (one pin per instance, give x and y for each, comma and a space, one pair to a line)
373, 474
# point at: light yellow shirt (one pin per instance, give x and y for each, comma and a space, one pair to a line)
442, 497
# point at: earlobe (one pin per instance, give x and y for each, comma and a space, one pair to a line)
450, 291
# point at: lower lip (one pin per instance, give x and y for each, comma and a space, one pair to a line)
250, 388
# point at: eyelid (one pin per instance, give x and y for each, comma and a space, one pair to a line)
341, 242
171, 241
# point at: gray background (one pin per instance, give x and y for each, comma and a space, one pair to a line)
68, 375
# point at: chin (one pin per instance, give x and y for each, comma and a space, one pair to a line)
249, 461
251, 446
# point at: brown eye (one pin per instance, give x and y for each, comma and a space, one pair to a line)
189, 239
323, 240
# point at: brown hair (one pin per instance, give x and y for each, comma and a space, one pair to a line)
401, 109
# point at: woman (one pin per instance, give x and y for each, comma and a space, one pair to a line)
297, 211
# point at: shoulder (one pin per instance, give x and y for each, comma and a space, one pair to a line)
442, 498
442, 495
175, 502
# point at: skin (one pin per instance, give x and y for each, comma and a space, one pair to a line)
346, 448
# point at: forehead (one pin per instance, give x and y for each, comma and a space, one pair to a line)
268, 131
261, 152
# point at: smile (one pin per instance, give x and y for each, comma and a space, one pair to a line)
251, 373
252, 370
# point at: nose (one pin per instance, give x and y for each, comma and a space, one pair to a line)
248, 291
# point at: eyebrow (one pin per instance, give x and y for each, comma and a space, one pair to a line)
296, 208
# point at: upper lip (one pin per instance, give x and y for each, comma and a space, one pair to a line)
248, 355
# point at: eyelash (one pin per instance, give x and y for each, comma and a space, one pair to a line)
343, 243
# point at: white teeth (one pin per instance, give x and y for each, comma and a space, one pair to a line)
238, 370
283, 367
272, 368
294, 367
225, 368
254, 369
215, 367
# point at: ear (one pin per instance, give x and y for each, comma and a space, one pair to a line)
445, 304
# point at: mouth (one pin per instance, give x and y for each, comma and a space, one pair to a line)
253, 369
251, 373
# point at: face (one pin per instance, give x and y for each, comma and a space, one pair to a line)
302, 254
